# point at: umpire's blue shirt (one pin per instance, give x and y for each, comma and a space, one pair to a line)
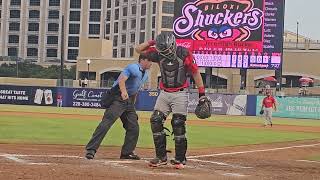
136, 78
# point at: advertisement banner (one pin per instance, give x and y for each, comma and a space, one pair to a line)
221, 103
231, 33
83, 97
294, 107
28, 95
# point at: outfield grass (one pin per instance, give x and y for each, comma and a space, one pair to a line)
51, 130
146, 115
315, 158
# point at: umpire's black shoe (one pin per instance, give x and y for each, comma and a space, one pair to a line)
130, 156
156, 162
90, 154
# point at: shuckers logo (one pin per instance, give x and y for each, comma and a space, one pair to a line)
231, 20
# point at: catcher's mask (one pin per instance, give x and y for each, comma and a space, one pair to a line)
203, 109
166, 45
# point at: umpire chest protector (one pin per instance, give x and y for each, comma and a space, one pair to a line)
173, 72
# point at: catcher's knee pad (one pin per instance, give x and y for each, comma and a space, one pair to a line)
156, 121
179, 124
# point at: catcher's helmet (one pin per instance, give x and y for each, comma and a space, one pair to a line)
203, 109
166, 45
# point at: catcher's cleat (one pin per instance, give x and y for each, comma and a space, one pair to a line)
156, 162
178, 164
130, 156
90, 154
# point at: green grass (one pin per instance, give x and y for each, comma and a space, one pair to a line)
314, 158
146, 115
37, 130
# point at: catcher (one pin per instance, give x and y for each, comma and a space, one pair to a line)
175, 63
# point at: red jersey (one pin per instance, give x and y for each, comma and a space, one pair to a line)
268, 101
188, 62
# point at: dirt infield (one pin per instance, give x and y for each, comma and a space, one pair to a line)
264, 161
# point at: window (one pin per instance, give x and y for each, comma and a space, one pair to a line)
116, 14
116, 3
76, 4
13, 39
131, 51
14, 13
72, 54
94, 28
153, 22
167, 22
74, 28
34, 2
32, 39
14, 26
115, 40
124, 25
0, 2
123, 39
116, 28
54, 2
53, 14
74, 16
34, 14
125, 11
53, 27
134, 9
142, 24
154, 7
153, 34
52, 52
109, 3
168, 7
123, 52
73, 41
95, 16
107, 28
143, 9
108, 15
133, 23
52, 40
15, 3
114, 53
33, 27
32, 52
132, 37
95, 4
141, 37
12, 51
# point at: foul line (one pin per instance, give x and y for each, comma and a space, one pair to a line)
260, 150
220, 163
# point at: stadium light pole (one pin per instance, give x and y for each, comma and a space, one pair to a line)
88, 63
297, 34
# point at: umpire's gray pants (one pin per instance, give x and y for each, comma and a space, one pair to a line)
127, 113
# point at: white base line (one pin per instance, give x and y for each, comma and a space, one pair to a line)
261, 150
220, 163
308, 161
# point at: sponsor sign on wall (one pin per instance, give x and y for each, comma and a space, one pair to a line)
295, 107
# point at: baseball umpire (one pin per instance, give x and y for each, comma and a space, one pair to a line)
123, 94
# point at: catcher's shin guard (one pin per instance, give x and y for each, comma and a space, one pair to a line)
159, 136
179, 131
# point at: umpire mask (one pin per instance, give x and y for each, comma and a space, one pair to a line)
166, 45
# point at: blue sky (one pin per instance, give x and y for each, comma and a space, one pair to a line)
307, 12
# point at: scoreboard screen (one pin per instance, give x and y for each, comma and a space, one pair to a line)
231, 33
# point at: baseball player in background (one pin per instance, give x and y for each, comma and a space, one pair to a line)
268, 104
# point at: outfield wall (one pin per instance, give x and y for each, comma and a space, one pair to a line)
224, 104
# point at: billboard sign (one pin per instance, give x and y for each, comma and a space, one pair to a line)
231, 33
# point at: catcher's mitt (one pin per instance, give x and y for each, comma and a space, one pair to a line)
203, 109
261, 111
